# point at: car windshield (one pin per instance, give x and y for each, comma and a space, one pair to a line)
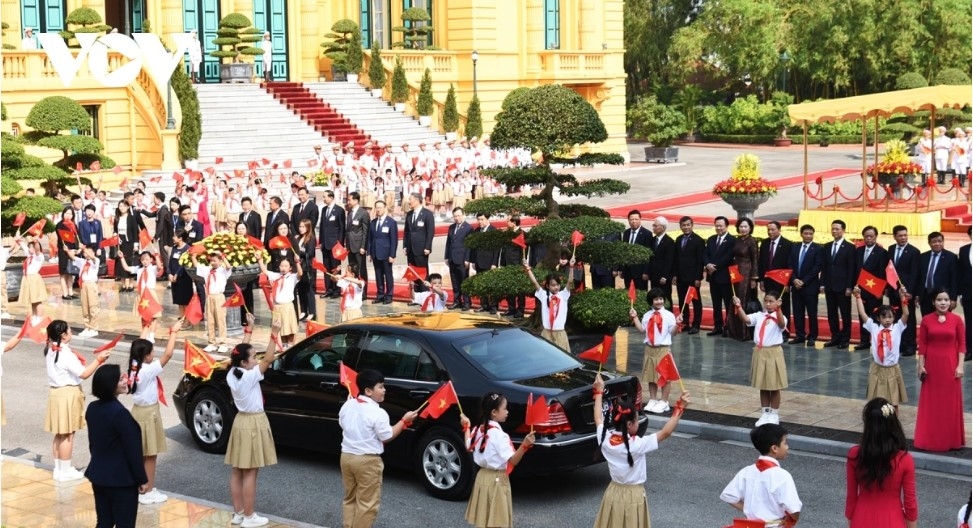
515, 354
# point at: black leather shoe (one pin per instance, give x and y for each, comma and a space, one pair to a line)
862, 346
796, 341
811, 341
387, 301
324, 296
482, 309
508, 313
377, 301
845, 344
715, 332
693, 331
453, 306
830, 344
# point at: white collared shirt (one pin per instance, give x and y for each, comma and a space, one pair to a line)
613, 449
67, 370
147, 389
90, 275
497, 451
663, 337
284, 290
438, 304
147, 273
767, 495
217, 284
246, 390
773, 334
560, 316
34, 262
892, 354
364, 425
353, 301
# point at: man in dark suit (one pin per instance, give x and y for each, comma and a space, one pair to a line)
775, 253
163, 221
964, 278
663, 259
938, 268
332, 231
304, 209
383, 240
484, 260
357, 237
604, 276
275, 217
193, 227
837, 280
871, 258
458, 258
805, 263
717, 258
420, 230
513, 255
251, 219
905, 259
635, 234
688, 271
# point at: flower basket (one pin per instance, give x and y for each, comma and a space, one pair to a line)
236, 249
745, 190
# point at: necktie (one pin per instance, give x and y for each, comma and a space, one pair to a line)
763, 328
685, 238
719, 240
834, 248
884, 344
898, 253
246, 216
773, 249
868, 251
932, 271
301, 210
631, 238
655, 325
554, 306
800, 259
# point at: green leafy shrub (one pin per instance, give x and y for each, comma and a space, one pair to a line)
376, 70
400, 83
450, 113
513, 97
9, 186
6, 46
604, 309
55, 113
550, 118
82, 20
191, 131
415, 29
657, 122
70, 163
36, 207
474, 119
236, 37
424, 104
747, 115
953, 77
354, 57
342, 32
505, 280
911, 80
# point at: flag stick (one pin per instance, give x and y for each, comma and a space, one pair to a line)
458, 404
681, 386
423, 405
573, 250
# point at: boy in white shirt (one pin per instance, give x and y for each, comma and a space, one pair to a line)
434, 299
768, 372
87, 265
765, 491
214, 276
658, 325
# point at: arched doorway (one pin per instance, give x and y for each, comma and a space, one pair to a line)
126, 15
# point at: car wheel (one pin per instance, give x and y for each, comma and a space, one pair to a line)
210, 418
445, 465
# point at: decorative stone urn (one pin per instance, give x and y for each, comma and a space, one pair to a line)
745, 204
236, 72
241, 276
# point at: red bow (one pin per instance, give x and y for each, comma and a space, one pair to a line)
621, 413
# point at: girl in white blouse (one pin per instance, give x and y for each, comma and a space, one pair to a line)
33, 293
145, 276
624, 501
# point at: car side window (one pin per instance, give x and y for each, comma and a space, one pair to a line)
397, 357
324, 353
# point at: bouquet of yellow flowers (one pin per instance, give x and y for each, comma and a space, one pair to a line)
235, 249
745, 178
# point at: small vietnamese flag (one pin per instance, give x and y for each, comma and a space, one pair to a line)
67, 236
238, 173
145, 239
667, 370
255, 242
735, 276
252, 165
313, 327
265, 161
117, 169
280, 242
349, 378
441, 400
892, 276
311, 163
148, 307
576, 238
316, 264
412, 274
109, 345
19, 219
38, 228
218, 160
197, 362
631, 292
288, 164
109, 242
339, 251
599, 352
520, 241
36, 332
780, 276
537, 410
235, 300
691, 294
194, 311
870, 283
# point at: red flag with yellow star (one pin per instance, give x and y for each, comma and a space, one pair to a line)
313, 327
599, 352
148, 307
735, 275
441, 400
280, 242
36, 332
780, 276
235, 300
198, 363
349, 378
871, 283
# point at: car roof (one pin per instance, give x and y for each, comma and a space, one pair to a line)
436, 322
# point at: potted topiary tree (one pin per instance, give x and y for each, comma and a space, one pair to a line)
236, 32
400, 86
354, 58
780, 101
658, 123
474, 119
3, 33
424, 103
336, 49
85, 20
450, 114
415, 29
376, 71
54, 114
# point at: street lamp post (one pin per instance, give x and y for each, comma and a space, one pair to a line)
170, 119
475, 56
784, 59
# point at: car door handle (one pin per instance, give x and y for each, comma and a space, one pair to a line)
331, 385
420, 393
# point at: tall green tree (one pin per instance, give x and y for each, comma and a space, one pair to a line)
649, 26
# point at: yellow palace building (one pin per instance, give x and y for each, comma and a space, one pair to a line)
577, 43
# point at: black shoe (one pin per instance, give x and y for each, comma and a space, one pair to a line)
411, 303
811, 341
509, 313
796, 341
845, 344
493, 311
302, 318
830, 344
453, 306
519, 315
65, 297
377, 301
324, 296
467, 308
862, 346
387, 301
483, 309
693, 331
968, 358
715, 332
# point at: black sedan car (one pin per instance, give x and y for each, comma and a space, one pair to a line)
417, 353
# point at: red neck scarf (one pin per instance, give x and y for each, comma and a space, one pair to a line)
763, 328
84, 269
429, 303
654, 322
209, 279
553, 308
884, 344
763, 464
347, 296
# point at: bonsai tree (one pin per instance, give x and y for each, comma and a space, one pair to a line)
654, 121
551, 120
3, 33
376, 70
54, 114
424, 104
780, 101
450, 114
354, 56
415, 29
85, 20
236, 33
474, 119
400, 84
336, 49
17, 166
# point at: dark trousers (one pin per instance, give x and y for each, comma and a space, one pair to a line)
722, 295
602, 281
247, 290
457, 274
384, 282
116, 507
926, 302
871, 310
839, 305
486, 302
666, 291
420, 263
359, 261
640, 285
805, 302
516, 303
306, 290
330, 263
696, 304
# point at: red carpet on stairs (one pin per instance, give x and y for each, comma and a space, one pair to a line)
317, 113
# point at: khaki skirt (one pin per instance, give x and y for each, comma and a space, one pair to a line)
219, 212
623, 506
886, 382
32, 290
558, 337
390, 199
459, 200
368, 199
284, 312
767, 368
65, 410
653, 355
438, 198
351, 314
448, 194
251, 443
153, 435
491, 503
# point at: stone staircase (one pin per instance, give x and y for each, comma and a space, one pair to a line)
372, 115
317, 113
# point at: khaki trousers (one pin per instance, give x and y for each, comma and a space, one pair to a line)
89, 304
215, 318
362, 477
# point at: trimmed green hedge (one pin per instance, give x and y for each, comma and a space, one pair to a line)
812, 139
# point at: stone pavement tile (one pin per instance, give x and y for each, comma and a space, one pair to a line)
14, 518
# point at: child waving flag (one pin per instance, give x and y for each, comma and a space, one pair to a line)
768, 372
554, 305
658, 325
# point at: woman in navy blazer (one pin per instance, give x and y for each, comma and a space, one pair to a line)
116, 471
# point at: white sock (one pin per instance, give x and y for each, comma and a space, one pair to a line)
773, 411
767, 410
